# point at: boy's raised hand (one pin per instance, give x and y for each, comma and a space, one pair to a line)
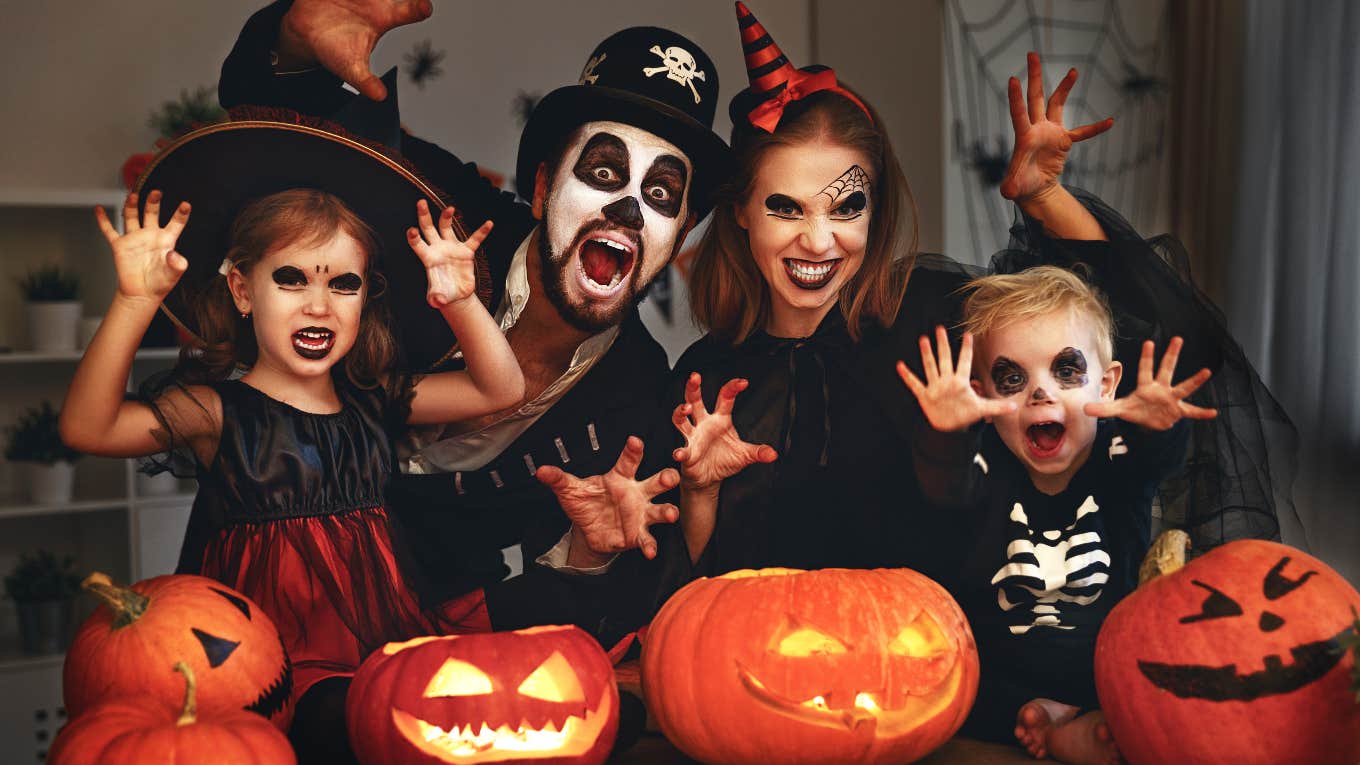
144, 255
1156, 404
713, 449
450, 263
947, 397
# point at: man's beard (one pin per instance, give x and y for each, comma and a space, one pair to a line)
554, 275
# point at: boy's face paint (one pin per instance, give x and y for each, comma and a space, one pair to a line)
305, 303
614, 214
807, 219
1042, 364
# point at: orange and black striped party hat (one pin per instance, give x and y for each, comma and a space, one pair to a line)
766, 64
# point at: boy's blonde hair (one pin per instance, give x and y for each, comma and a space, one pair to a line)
999, 300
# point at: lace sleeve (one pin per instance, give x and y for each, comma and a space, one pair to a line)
189, 417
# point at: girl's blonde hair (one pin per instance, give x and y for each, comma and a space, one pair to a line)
999, 300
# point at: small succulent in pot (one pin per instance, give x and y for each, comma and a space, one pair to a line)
35, 437
42, 577
49, 284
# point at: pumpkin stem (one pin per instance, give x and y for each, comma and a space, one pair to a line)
1166, 555
127, 606
190, 714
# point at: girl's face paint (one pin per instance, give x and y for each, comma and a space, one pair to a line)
1041, 363
807, 218
305, 303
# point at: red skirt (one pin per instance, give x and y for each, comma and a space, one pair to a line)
333, 588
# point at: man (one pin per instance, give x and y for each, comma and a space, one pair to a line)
618, 167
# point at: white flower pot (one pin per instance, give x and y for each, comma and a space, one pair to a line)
51, 484
54, 326
158, 485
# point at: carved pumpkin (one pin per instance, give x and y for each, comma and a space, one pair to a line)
544, 695
147, 731
810, 667
226, 639
1231, 659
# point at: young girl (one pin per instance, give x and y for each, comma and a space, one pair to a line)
292, 457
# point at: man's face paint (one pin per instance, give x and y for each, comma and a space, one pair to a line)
613, 217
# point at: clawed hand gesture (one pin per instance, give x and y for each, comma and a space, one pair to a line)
612, 511
449, 262
144, 256
341, 34
1041, 141
1156, 404
713, 449
947, 397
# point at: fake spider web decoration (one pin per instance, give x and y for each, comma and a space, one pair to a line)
1120, 49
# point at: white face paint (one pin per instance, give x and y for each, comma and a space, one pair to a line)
613, 214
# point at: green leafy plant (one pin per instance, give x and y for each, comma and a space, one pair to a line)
47, 284
190, 111
42, 577
35, 437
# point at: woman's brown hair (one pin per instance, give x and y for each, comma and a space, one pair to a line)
728, 295
297, 216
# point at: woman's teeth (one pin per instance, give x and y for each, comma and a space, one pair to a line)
810, 275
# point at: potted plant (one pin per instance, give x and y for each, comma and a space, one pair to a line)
43, 589
53, 309
36, 441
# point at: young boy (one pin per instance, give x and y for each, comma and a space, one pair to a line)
1059, 500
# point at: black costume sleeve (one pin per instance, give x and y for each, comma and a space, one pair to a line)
1237, 479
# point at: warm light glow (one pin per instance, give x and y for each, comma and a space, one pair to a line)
554, 680
865, 701
458, 678
480, 743
921, 638
816, 701
392, 648
806, 641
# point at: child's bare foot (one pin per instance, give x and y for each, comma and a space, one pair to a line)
1052, 729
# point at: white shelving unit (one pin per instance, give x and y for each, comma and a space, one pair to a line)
108, 526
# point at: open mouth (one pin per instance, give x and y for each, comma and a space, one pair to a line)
570, 736
1045, 438
313, 342
605, 259
810, 275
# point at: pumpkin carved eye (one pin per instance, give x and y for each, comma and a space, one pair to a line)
458, 678
553, 680
807, 641
1216, 606
922, 637
217, 649
1277, 585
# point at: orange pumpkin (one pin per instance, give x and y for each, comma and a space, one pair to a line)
229, 643
544, 695
1232, 658
147, 731
810, 667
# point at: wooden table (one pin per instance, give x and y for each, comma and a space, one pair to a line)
653, 749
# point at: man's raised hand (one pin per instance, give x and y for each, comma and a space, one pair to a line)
340, 35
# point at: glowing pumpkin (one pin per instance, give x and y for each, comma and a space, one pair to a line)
544, 695
229, 643
1232, 658
147, 731
810, 667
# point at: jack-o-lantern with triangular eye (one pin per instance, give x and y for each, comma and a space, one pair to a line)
810, 667
1233, 658
544, 695
126, 647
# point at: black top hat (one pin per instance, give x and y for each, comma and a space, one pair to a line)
649, 77
221, 168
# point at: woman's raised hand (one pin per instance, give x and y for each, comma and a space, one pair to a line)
947, 397
450, 263
713, 449
1041, 141
144, 255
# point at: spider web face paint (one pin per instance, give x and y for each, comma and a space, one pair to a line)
850, 181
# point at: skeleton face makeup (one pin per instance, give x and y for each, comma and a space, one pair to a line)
615, 213
1041, 363
305, 303
808, 222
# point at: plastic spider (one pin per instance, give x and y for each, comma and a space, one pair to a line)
422, 63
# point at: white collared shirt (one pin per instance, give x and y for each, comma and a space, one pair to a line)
428, 450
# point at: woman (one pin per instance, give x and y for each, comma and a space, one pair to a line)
809, 285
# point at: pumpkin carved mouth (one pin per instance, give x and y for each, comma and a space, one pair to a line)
274, 699
1190, 681
480, 742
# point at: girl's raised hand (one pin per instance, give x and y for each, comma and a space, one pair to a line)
1041, 141
947, 397
450, 263
713, 449
1156, 404
144, 255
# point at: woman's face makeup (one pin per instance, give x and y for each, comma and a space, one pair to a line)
808, 222
305, 303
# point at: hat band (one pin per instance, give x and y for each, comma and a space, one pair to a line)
800, 85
